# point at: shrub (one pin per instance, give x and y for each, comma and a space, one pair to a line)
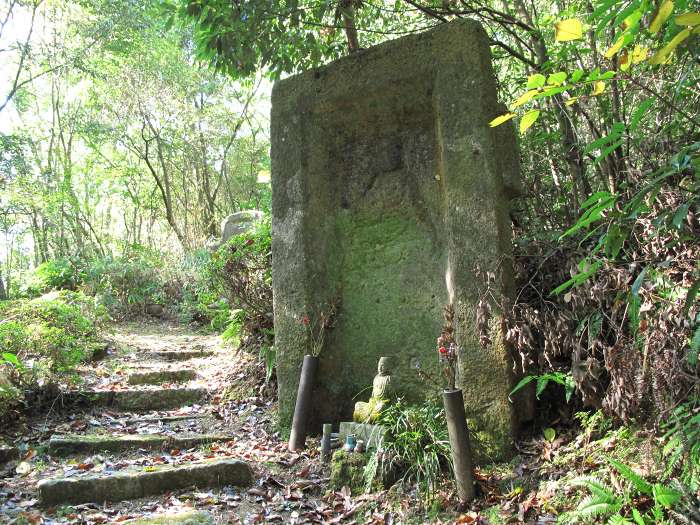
242, 270
57, 274
44, 339
125, 285
416, 445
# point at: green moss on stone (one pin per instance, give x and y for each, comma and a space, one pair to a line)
347, 470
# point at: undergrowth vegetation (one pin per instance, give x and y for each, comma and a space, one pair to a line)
43, 340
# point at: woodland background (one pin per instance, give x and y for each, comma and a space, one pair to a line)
128, 130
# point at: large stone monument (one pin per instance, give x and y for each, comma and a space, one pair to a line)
389, 188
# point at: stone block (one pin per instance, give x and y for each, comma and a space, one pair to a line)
140, 484
138, 399
156, 377
372, 435
177, 355
389, 189
61, 445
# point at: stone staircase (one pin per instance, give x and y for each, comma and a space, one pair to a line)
159, 407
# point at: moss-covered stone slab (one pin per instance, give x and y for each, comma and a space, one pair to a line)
140, 484
157, 377
390, 192
372, 435
139, 399
62, 445
177, 355
180, 518
348, 470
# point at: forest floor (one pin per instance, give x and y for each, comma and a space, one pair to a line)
181, 421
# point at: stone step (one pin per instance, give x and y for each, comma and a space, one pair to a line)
129, 485
163, 419
175, 355
66, 444
156, 377
179, 518
141, 400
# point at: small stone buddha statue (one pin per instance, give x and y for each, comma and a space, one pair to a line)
382, 392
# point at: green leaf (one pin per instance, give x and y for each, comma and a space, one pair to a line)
542, 382
666, 496
680, 215
694, 348
614, 240
557, 79
577, 75
536, 81
637, 517
549, 434
524, 381
637, 284
630, 475
690, 296
640, 112
607, 151
12, 359
597, 197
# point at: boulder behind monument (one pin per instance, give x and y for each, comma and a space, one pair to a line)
239, 222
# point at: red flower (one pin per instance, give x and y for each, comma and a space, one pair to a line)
442, 350
305, 320
249, 242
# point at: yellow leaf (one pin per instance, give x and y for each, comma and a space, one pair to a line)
571, 101
570, 29
662, 54
688, 19
639, 54
598, 88
528, 120
524, 98
615, 47
624, 60
500, 120
662, 15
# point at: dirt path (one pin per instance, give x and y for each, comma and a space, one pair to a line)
149, 423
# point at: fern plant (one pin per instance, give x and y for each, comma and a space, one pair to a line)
619, 508
682, 449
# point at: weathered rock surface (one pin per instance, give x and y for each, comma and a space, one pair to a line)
8, 453
180, 518
138, 484
139, 399
239, 222
94, 443
389, 191
156, 377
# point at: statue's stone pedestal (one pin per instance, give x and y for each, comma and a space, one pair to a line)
372, 435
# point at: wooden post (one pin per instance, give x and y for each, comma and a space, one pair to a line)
326, 442
459, 443
297, 438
